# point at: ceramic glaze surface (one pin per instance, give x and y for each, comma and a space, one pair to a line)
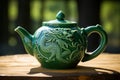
61, 44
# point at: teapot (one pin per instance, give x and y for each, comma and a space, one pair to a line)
61, 44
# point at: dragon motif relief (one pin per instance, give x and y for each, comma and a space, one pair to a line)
58, 44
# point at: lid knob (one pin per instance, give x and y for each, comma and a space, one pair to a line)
60, 16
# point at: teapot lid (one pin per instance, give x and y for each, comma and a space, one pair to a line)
60, 22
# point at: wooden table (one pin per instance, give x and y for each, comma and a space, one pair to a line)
26, 67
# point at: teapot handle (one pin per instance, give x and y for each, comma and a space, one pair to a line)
103, 41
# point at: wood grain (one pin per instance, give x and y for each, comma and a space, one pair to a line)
24, 66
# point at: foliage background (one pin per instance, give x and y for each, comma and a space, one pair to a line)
31, 13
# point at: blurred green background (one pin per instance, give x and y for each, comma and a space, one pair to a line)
31, 13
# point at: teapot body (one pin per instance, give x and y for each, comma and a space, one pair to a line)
59, 47
61, 44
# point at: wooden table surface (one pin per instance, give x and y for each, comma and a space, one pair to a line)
25, 67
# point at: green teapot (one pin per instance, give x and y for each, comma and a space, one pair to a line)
61, 44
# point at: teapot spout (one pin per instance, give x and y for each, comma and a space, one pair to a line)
26, 39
